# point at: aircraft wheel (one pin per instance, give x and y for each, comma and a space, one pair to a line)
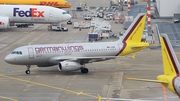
84, 70
27, 71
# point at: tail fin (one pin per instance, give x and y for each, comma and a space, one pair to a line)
133, 36
170, 61
135, 30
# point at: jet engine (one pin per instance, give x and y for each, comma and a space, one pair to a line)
69, 66
4, 22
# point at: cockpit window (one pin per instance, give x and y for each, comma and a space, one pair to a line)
17, 52
64, 13
20, 52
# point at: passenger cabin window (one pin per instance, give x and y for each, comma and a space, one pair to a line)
17, 52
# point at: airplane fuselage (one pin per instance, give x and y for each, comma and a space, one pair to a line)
33, 14
74, 56
41, 54
176, 82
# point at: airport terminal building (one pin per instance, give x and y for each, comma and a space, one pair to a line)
167, 8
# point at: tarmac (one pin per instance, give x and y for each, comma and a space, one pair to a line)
105, 79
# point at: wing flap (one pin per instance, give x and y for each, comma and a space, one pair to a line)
147, 80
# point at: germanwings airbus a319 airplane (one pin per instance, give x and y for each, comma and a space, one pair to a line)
171, 77
74, 56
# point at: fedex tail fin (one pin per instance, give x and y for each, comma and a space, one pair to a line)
170, 61
133, 36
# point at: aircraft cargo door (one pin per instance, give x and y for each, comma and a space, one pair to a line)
31, 53
53, 16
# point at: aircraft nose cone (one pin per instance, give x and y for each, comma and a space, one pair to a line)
68, 17
9, 59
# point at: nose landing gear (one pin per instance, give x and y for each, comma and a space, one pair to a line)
28, 69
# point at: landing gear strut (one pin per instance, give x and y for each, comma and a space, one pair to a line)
28, 69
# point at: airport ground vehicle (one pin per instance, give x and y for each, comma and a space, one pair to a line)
69, 22
79, 8
176, 18
76, 25
58, 27
87, 18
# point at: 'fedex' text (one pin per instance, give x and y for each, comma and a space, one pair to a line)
32, 12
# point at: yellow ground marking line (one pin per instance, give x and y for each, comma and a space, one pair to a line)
40, 84
126, 64
21, 70
3, 97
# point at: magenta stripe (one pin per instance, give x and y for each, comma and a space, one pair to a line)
124, 45
171, 57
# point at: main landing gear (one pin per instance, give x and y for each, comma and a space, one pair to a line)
84, 70
28, 69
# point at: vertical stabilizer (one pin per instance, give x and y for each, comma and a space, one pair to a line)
132, 37
170, 61
136, 29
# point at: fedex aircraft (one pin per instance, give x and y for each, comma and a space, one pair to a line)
74, 56
171, 77
53, 3
31, 14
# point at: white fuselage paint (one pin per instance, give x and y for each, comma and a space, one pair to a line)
33, 14
38, 55
177, 85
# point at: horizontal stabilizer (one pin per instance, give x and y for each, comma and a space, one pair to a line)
139, 45
147, 80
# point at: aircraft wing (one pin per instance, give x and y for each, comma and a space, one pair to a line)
147, 80
85, 59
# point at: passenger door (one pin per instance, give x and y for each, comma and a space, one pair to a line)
31, 53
